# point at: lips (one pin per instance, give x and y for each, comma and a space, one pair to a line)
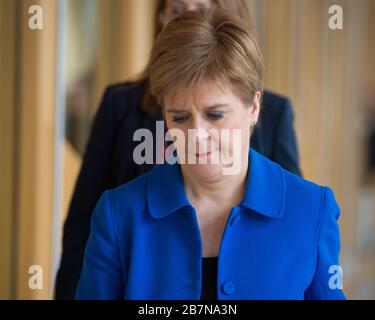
205, 154
199, 155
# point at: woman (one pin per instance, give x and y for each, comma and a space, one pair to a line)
271, 234
125, 108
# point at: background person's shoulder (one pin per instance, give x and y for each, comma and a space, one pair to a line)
127, 93
275, 101
125, 87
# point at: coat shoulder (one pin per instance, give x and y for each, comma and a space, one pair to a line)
299, 192
305, 196
125, 89
129, 198
272, 99
292, 181
123, 98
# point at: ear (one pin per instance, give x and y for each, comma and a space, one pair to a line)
255, 106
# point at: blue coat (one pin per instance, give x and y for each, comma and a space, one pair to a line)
281, 242
108, 162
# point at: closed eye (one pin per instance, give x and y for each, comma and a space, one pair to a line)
215, 115
180, 118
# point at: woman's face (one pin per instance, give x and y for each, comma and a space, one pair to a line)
216, 126
175, 8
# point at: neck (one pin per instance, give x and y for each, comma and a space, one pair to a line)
228, 189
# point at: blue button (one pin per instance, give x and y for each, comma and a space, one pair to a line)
229, 287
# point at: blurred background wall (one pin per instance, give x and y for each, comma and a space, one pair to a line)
52, 80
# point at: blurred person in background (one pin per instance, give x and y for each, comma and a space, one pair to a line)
126, 107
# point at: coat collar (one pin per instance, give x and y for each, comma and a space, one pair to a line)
265, 191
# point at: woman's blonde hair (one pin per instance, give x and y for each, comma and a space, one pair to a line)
205, 45
240, 8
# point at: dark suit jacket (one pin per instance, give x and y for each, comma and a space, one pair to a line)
108, 163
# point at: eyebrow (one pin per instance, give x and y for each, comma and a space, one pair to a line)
214, 106
177, 2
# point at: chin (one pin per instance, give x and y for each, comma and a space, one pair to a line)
205, 172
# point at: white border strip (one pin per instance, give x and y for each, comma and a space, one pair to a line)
60, 104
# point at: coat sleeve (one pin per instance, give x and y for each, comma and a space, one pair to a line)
285, 150
327, 283
102, 275
94, 178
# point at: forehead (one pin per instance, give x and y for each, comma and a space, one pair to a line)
204, 94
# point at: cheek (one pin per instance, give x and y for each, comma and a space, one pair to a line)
245, 125
178, 134
167, 122
239, 132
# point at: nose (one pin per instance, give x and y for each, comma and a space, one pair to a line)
201, 129
202, 134
199, 136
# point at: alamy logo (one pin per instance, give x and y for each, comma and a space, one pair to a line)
336, 280
36, 280
197, 146
36, 19
336, 21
